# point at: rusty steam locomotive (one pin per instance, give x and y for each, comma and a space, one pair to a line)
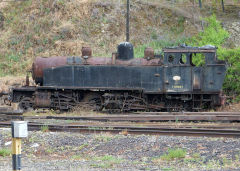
167, 82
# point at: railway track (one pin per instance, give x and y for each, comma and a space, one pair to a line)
140, 117
129, 129
154, 118
139, 123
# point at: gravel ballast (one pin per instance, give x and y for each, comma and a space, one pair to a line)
73, 151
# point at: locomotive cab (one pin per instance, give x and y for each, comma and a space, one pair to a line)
181, 74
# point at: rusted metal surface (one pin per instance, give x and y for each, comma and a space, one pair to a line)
190, 50
86, 51
151, 118
27, 80
188, 113
146, 117
41, 63
134, 130
10, 111
161, 83
42, 99
26, 103
196, 80
11, 116
132, 62
114, 57
148, 53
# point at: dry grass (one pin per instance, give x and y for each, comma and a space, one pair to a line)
8, 81
61, 27
55, 28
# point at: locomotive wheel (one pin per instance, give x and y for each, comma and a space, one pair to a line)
94, 101
158, 102
26, 104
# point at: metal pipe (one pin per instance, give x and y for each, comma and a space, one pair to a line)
200, 3
223, 6
127, 21
114, 56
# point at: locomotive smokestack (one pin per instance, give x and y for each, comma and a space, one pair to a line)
127, 21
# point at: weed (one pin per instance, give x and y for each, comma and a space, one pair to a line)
196, 155
136, 162
44, 128
32, 139
101, 165
192, 159
176, 121
14, 57
103, 137
226, 162
237, 157
62, 148
174, 154
82, 146
50, 151
77, 157
106, 161
154, 35
60, 3
179, 26
213, 164
167, 169
157, 45
5, 152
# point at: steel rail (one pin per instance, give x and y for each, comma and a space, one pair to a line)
134, 118
4, 110
135, 130
7, 111
151, 118
188, 113
141, 117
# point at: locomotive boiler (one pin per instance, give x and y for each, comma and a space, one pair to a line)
166, 82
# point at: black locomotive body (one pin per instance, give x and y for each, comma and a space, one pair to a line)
122, 83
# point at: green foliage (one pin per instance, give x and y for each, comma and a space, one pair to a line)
106, 161
215, 35
44, 128
157, 45
103, 137
82, 146
5, 152
179, 26
174, 154
21, 34
77, 157
232, 81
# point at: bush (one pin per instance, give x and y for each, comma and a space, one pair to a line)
231, 84
215, 35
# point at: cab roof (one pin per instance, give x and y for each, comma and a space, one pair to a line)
186, 49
